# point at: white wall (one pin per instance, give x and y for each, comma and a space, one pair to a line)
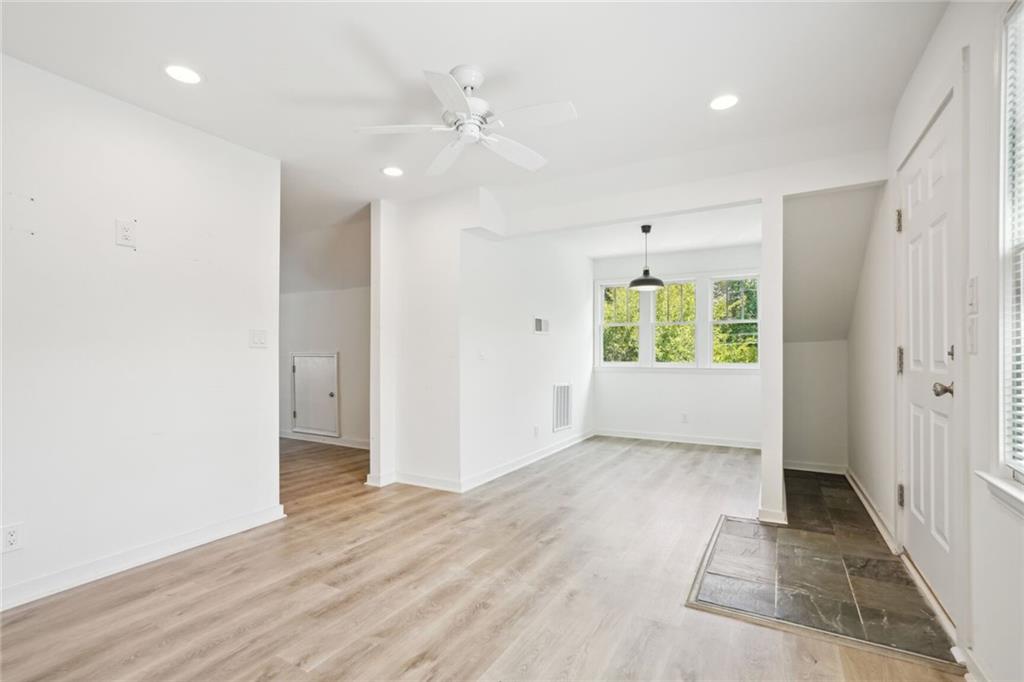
330, 322
722, 406
815, 408
992, 629
871, 351
330, 257
415, 353
137, 420
507, 371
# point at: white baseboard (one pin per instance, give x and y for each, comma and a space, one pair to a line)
869, 504
974, 671
677, 438
358, 443
816, 467
381, 480
446, 484
470, 482
46, 585
773, 516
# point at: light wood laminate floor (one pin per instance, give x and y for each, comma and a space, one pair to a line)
575, 567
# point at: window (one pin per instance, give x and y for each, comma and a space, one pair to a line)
620, 329
734, 322
702, 322
675, 323
1012, 254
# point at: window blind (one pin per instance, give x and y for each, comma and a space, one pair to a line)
1013, 239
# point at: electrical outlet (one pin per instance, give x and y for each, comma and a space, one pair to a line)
14, 538
684, 418
124, 233
257, 338
536, 431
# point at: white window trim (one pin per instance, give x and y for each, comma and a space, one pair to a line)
600, 325
712, 322
1014, 470
646, 363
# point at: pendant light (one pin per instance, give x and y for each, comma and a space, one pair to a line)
646, 282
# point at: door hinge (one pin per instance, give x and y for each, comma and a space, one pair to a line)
899, 359
899, 219
294, 414
899, 495
293, 369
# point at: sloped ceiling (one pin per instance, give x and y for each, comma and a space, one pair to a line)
825, 236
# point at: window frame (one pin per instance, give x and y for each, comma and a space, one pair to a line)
695, 323
703, 336
601, 325
712, 321
1008, 253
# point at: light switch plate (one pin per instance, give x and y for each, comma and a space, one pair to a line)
257, 338
124, 232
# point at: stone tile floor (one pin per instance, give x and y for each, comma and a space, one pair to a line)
829, 569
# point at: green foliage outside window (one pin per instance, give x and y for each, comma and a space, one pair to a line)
621, 340
621, 305
733, 340
622, 344
675, 314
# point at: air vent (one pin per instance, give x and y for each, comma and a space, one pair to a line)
540, 326
562, 414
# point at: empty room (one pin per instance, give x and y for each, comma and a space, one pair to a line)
512, 340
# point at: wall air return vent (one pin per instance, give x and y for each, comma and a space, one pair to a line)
562, 410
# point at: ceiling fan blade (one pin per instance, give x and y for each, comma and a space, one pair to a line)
540, 115
403, 129
447, 90
446, 157
514, 152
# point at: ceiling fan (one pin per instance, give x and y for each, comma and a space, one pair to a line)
473, 122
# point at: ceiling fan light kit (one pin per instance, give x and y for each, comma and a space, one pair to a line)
472, 121
646, 282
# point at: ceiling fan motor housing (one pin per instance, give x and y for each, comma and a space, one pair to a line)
471, 127
468, 76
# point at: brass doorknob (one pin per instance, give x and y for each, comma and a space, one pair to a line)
942, 389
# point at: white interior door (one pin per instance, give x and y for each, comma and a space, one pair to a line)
930, 320
315, 393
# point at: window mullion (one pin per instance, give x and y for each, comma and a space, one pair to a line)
646, 328
703, 334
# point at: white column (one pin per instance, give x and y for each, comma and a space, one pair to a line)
382, 357
772, 506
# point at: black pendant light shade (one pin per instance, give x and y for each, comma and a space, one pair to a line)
645, 282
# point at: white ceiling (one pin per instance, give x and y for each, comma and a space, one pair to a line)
718, 228
825, 236
293, 80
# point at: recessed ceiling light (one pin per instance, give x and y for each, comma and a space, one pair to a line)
182, 74
723, 102
392, 171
